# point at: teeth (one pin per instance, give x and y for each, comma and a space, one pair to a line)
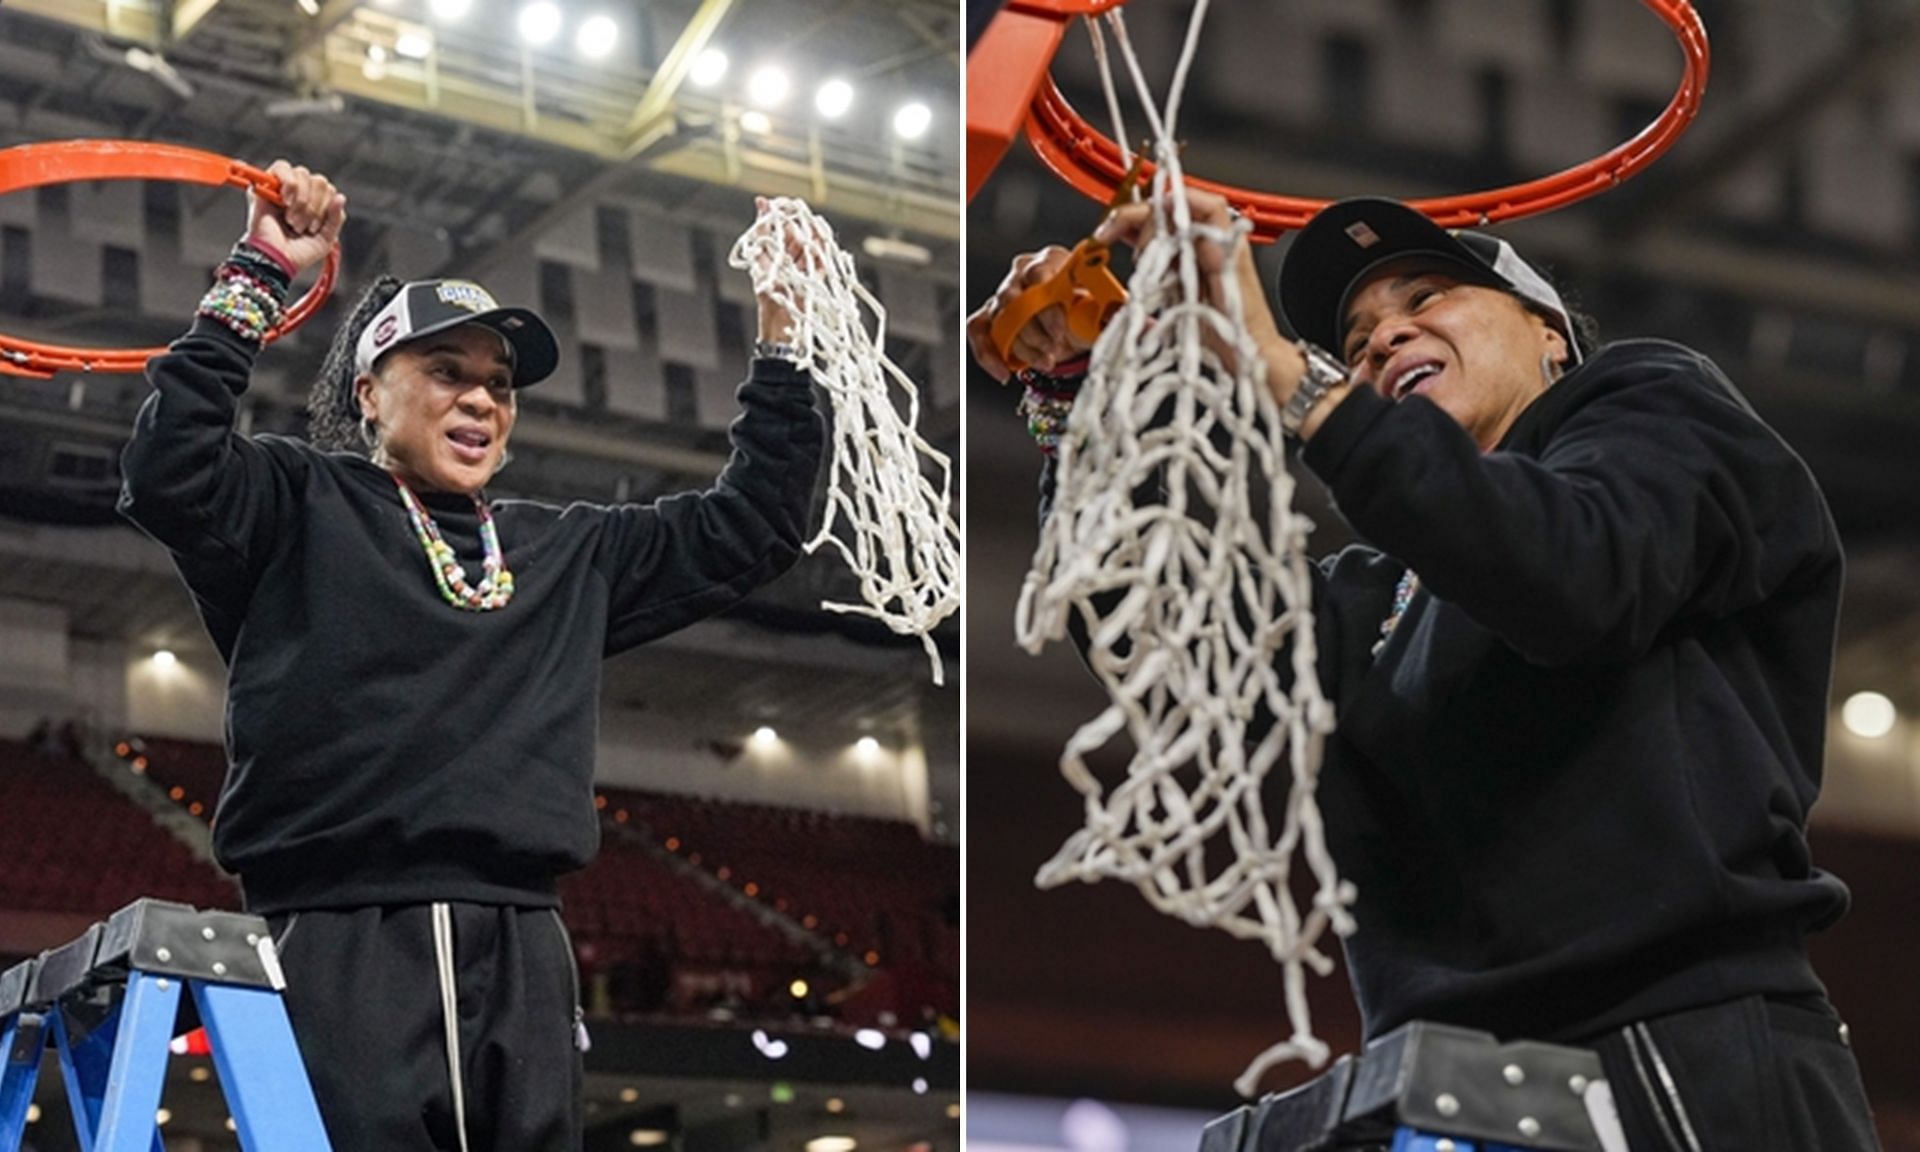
1412, 376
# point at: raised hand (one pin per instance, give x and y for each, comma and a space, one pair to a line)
306, 225
1046, 340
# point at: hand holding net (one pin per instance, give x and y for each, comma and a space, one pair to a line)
890, 521
1198, 606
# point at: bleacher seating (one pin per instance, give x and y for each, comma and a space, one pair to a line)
873, 887
868, 887
69, 843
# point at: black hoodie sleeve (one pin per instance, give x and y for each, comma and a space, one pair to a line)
1658, 494
686, 557
214, 498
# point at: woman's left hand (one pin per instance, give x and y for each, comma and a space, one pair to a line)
1134, 225
776, 323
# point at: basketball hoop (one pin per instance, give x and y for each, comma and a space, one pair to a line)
1010, 60
66, 162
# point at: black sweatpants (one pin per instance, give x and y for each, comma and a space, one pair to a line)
1750, 1075
364, 990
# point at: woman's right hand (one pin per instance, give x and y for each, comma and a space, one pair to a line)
306, 225
1046, 340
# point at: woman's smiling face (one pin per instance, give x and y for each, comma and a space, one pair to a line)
1415, 328
444, 406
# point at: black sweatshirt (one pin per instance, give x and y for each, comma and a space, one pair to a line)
386, 747
1573, 788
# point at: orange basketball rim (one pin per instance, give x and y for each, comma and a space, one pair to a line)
65, 162
1008, 89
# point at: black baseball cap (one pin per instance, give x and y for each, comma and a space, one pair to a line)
424, 307
1349, 240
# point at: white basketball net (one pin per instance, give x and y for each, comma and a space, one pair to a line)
1211, 597
898, 536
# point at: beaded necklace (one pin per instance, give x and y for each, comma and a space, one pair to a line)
496, 585
1402, 596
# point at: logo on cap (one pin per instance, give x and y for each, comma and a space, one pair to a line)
1362, 235
465, 294
383, 334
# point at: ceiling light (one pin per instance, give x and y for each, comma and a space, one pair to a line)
953, 1111
912, 121
646, 1137
922, 1045
709, 68
920, 1085
764, 737
414, 45
768, 86
833, 99
897, 250
1869, 714
798, 988
867, 746
832, 1144
450, 9
870, 1038
629, 1095
597, 36
758, 123
836, 1105
164, 659
539, 22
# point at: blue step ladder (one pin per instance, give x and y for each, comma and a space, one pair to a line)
110, 1003
1428, 1087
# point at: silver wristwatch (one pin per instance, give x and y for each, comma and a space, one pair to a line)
1323, 375
776, 350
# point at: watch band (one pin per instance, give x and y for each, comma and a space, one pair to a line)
1323, 375
775, 350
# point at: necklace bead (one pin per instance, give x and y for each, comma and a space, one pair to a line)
1402, 597
496, 585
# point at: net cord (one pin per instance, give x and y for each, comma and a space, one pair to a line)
1210, 600
890, 492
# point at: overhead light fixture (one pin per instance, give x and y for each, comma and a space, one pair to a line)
872, 1039
769, 1047
310, 7
833, 98
413, 44
764, 739
330, 104
768, 86
1869, 714
867, 746
164, 660
597, 37
539, 22
953, 1111
709, 68
756, 122
836, 1105
832, 1144
646, 1137
155, 65
798, 988
922, 1045
912, 121
920, 1085
450, 9
898, 251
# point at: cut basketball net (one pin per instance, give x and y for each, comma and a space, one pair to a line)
898, 534
1193, 604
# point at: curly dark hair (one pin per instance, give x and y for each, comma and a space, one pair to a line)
333, 411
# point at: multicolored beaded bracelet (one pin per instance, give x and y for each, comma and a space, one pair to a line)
248, 294
1048, 400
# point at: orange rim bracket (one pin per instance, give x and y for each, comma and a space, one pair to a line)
65, 162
